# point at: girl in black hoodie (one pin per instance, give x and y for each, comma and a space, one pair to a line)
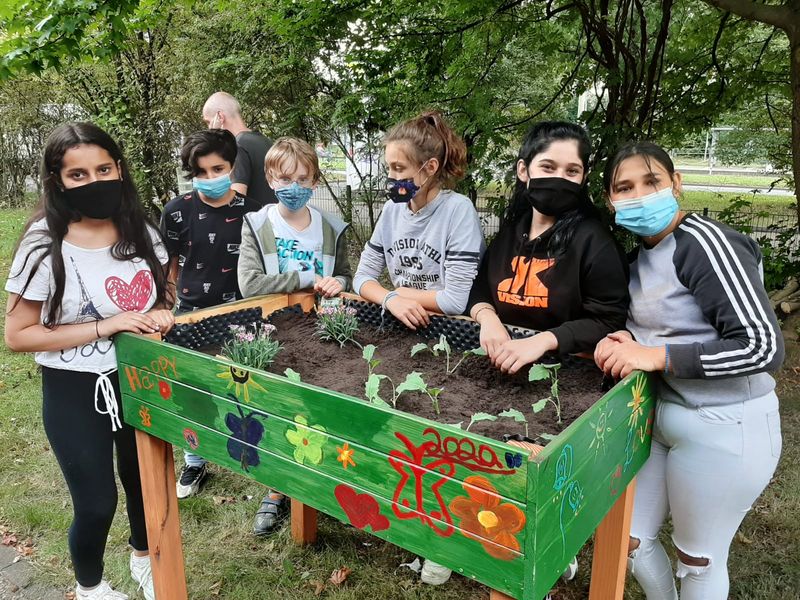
553, 267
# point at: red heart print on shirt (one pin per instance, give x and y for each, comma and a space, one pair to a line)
133, 295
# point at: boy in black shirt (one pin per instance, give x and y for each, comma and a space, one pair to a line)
203, 230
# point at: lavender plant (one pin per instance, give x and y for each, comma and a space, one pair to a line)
251, 345
338, 323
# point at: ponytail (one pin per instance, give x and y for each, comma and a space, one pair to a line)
429, 136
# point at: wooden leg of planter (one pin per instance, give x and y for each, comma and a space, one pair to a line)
304, 523
157, 473
610, 558
495, 595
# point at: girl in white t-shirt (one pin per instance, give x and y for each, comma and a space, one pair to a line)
89, 265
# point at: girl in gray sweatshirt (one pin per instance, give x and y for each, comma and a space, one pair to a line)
428, 236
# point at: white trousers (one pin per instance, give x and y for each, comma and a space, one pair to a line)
706, 468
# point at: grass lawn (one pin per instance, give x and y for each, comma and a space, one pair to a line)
716, 201
224, 561
756, 181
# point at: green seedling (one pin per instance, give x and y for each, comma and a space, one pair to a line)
412, 383
292, 375
513, 413
480, 416
368, 353
444, 346
540, 372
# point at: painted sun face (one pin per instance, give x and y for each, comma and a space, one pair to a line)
239, 379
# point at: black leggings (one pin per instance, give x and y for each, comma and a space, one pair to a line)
83, 442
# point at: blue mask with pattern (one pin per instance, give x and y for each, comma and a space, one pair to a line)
294, 197
649, 215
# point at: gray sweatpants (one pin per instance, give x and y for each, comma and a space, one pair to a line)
707, 466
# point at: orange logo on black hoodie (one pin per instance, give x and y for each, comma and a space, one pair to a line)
525, 288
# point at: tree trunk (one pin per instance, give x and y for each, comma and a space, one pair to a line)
794, 44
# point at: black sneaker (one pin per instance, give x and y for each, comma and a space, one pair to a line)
273, 511
190, 480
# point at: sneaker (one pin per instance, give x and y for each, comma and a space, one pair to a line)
142, 573
101, 592
433, 573
190, 480
571, 570
271, 513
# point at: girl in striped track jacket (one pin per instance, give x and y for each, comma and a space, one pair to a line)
700, 318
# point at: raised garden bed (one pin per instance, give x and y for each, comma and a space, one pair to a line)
468, 501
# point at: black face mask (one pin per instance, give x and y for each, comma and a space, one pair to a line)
553, 196
96, 200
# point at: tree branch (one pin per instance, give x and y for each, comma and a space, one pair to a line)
776, 15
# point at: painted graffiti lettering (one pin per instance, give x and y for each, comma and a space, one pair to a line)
164, 365
435, 458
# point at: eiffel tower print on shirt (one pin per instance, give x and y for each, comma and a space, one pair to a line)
86, 307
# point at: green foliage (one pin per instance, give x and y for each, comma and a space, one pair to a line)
444, 346
252, 346
539, 372
480, 416
292, 375
513, 413
779, 246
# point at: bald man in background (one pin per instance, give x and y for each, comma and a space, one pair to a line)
222, 111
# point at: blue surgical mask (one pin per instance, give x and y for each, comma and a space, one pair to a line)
294, 197
649, 215
213, 188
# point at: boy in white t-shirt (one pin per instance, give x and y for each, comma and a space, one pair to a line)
291, 246
287, 247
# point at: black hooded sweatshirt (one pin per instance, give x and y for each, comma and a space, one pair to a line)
580, 296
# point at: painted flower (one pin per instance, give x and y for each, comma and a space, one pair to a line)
307, 441
346, 455
637, 400
485, 519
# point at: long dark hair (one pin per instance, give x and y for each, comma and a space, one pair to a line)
649, 151
131, 221
538, 140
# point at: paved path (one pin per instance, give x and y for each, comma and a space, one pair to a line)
17, 579
735, 189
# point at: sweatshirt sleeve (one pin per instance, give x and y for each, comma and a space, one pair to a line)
373, 258
341, 269
461, 259
481, 291
722, 270
253, 278
604, 298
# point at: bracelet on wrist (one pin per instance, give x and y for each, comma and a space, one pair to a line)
97, 329
386, 298
666, 359
482, 308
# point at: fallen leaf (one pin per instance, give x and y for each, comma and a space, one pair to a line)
317, 585
9, 539
214, 589
743, 539
339, 575
219, 500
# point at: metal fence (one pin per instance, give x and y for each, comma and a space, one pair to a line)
755, 223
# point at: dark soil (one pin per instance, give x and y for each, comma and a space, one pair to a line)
476, 386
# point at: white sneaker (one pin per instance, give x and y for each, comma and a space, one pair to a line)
142, 573
571, 570
433, 573
190, 480
101, 592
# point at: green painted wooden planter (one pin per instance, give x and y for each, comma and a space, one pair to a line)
474, 504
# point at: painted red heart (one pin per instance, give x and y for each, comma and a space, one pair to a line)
361, 509
164, 390
131, 296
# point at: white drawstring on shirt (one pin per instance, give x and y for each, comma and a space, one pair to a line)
106, 388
